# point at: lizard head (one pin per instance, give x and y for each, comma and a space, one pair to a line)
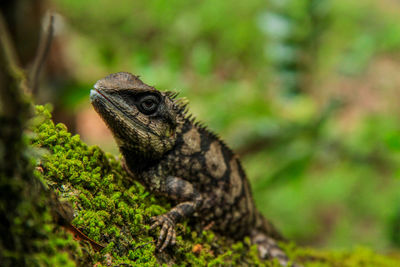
144, 121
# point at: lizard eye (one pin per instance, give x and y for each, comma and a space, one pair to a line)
148, 104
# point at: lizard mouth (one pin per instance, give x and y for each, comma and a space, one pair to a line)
95, 94
95, 91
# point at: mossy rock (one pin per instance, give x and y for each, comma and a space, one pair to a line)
115, 211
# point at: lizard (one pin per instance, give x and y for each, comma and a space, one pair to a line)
174, 155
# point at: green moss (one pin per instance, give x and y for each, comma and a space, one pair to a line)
360, 256
28, 235
115, 211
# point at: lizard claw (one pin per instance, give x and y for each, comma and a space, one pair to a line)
167, 234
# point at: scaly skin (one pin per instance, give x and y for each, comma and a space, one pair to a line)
172, 155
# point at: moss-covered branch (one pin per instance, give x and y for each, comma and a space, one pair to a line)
114, 211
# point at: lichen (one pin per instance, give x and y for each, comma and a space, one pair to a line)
115, 211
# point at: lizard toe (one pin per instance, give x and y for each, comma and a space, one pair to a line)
167, 231
168, 238
163, 233
155, 222
173, 241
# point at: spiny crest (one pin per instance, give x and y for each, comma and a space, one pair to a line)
181, 105
201, 126
171, 94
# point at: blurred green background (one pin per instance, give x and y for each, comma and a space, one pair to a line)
306, 91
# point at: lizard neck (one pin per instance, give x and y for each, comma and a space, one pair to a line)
135, 162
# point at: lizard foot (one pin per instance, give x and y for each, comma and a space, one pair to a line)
269, 249
167, 234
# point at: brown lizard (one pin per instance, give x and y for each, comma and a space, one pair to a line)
173, 155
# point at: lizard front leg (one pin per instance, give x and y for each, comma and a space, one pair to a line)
181, 190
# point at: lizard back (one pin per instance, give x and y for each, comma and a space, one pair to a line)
203, 159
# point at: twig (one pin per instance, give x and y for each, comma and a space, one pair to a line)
8, 51
13, 87
79, 235
43, 50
